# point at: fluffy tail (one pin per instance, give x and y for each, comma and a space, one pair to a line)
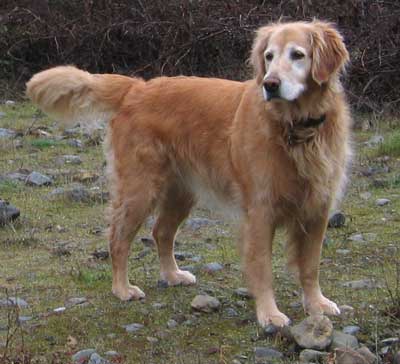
72, 95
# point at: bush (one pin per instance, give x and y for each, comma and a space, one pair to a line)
193, 37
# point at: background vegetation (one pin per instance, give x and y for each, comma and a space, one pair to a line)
208, 38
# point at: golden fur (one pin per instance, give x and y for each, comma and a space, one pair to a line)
169, 138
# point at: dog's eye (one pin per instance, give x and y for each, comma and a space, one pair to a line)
269, 56
297, 55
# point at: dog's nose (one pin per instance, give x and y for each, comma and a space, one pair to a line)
272, 84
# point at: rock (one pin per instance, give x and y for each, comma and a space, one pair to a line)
362, 284
266, 355
97, 359
359, 238
205, 303
315, 332
343, 251
270, 330
337, 220
350, 356
68, 159
13, 301
351, 330
18, 176
366, 195
152, 339
9, 102
158, 305
342, 340
8, 212
382, 201
133, 327
7, 133
312, 356
82, 356
369, 357
76, 143
181, 256
74, 301
73, 193
101, 254
390, 341
212, 267
171, 324
38, 179
59, 309
196, 223
231, 312
346, 312
242, 292
375, 140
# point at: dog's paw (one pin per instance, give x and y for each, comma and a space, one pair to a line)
128, 293
320, 305
275, 318
178, 277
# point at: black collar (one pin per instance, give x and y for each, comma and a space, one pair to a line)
304, 130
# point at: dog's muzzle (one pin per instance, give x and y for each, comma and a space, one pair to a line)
271, 88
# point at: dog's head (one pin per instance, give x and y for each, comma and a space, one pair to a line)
289, 57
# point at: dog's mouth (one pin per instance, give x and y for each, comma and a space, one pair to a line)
268, 95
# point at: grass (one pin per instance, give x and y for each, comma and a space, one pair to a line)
30, 268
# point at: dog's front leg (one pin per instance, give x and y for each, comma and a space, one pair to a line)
258, 233
305, 245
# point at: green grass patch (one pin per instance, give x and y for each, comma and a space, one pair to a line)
391, 145
7, 187
43, 143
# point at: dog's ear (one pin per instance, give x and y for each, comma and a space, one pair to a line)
328, 51
257, 59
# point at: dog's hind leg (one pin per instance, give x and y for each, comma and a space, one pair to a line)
304, 251
173, 210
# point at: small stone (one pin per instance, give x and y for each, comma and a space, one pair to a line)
350, 356
315, 332
76, 143
337, 220
342, 340
38, 179
152, 340
14, 301
10, 102
205, 303
242, 292
111, 354
59, 309
375, 140
351, 330
346, 312
357, 238
97, 359
212, 267
158, 305
82, 356
74, 301
382, 201
73, 193
343, 251
231, 312
264, 355
68, 159
181, 256
7, 133
171, 324
390, 341
198, 222
361, 284
23, 319
133, 327
162, 284
270, 330
312, 356
369, 357
366, 195
8, 212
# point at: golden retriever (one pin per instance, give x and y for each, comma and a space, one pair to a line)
275, 148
